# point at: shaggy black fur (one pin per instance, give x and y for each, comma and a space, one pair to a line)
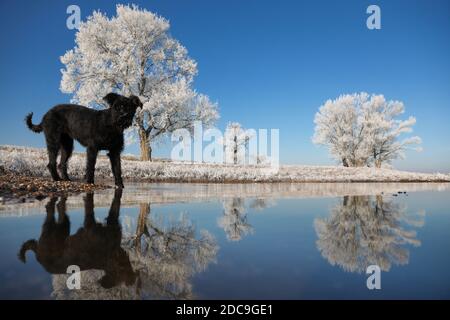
95, 129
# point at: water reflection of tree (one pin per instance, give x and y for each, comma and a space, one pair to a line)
164, 253
234, 220
366, 230
260, 204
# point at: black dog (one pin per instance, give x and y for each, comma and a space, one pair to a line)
95, 129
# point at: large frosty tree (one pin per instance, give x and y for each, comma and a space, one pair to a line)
133, 53
363, 130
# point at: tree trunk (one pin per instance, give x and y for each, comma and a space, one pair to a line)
144, 142
235, 151
345, 201
378, 163
379, 204
141, 225
345, 162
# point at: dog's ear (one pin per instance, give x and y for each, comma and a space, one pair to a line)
136, 101
111, 98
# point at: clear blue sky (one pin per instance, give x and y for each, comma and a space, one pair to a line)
269, 64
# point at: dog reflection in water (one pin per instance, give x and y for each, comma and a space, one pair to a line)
93, 246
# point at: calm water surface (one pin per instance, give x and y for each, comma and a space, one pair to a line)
251, 241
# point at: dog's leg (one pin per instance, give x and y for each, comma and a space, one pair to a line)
90, 166
52, 150
66, 152
63, 220
114, 157
61, 206
114, 210
89, 215
53, 140
50, 217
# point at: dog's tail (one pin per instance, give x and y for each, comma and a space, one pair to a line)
28, 245
31, 126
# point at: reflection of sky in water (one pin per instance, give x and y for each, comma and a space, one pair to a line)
250, 242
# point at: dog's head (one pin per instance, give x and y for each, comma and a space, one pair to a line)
123, 108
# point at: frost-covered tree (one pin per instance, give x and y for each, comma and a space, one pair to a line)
383, 130
167, 253
234, 219
363, 130
366, 230
236, 141
133, 53
336, 129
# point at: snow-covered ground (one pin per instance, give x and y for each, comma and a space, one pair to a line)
33, 161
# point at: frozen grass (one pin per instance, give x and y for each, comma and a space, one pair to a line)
33, 162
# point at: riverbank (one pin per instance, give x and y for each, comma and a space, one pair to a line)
19, 188
33, 162
259, 195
